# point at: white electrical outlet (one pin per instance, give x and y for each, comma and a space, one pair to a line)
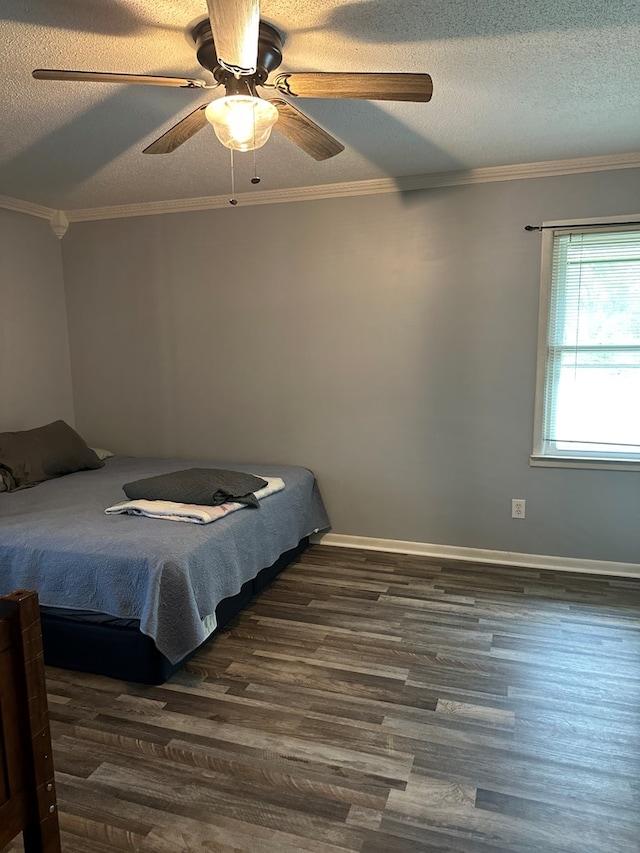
517, 507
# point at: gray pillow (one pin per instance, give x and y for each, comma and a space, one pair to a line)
202, 486
31, 456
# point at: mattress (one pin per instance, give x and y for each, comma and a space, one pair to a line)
105, 645
167, 577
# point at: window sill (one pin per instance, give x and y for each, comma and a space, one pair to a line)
584, 462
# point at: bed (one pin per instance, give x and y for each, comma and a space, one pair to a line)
134, 597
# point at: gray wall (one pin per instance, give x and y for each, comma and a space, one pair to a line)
35, 372
387, 342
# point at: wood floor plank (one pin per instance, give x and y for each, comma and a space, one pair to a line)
371, 702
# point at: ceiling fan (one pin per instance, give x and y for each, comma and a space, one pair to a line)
241, 51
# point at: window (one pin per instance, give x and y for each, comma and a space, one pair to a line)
588, 389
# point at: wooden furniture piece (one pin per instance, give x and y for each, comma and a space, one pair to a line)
27, 787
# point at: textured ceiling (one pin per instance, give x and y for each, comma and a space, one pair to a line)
515, 81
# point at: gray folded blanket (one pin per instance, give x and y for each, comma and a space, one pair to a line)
203, 486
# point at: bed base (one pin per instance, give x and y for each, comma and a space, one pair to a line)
104, 645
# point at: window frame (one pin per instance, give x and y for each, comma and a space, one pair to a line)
566, 459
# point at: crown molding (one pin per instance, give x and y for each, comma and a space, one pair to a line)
20, 206
523, 171
59, 224
57, 219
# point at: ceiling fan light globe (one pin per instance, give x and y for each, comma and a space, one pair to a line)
242, 122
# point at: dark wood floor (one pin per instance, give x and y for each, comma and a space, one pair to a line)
377, 703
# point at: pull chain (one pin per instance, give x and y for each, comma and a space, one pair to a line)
233, 200
255, 179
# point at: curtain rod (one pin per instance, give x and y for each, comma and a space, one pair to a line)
580, 225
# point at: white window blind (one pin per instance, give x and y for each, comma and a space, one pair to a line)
591, 405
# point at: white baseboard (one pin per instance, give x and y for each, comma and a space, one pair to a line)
481, 555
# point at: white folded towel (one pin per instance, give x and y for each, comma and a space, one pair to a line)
194, 513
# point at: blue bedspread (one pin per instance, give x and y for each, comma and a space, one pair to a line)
55, 538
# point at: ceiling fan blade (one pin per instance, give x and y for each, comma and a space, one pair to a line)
179, 133
305, 133
235, 26
372, 87
107, 77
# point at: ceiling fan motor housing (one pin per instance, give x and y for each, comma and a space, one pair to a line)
269, 53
